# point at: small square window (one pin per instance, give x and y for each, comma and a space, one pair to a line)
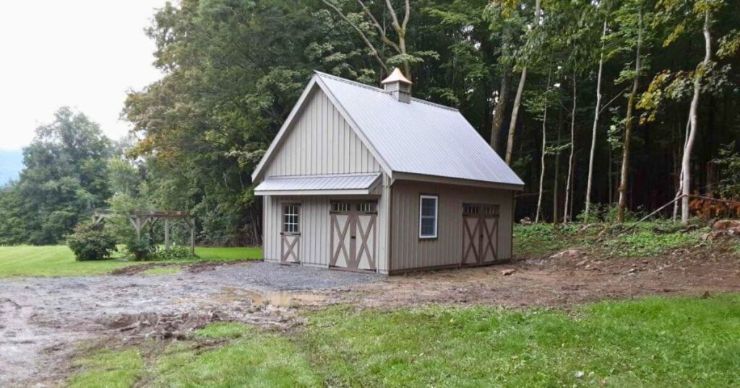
291, 218
428, 210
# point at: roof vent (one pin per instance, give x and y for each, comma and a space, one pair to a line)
398, 86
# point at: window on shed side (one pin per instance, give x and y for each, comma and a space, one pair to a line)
291, 218
428, 205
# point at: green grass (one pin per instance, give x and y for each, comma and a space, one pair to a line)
109, 369
252, 358
640, 240
58, 260
647, 342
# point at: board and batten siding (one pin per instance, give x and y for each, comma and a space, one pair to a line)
409, 252
315, 229
321, 143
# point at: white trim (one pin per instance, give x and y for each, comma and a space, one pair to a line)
314, 192
422, 197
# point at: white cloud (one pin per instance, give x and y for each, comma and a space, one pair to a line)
82, 53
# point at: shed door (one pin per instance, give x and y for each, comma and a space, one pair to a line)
353, 235
290, 236
480, 233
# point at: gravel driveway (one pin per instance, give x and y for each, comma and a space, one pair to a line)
41, 319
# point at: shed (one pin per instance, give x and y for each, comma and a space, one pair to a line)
370, 179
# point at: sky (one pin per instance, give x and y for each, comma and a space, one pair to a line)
85, 54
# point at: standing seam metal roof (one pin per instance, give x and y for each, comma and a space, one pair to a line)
318, 182
419, 137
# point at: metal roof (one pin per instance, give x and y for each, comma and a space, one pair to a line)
418, 137
318, 184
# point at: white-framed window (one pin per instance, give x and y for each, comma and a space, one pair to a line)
428, 210
291, 218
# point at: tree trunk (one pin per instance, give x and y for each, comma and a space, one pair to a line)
514, 114
555, 184
676, 204
518, 98
542, 158
567, 213
499, 110
686, 160
592, 153
628, 129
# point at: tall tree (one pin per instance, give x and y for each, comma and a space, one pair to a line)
519, 90
628, 120
595, 125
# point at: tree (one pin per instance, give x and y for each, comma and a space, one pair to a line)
703, 8
63, 180
630, 25
519, 90
594, 127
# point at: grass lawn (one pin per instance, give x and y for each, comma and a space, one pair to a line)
646, 342
58, 260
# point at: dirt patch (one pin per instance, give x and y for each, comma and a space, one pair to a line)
43, 319
560, 280
135, 269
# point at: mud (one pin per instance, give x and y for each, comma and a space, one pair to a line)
42, 319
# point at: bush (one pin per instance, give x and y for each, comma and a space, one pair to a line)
174, 253
141, 249
91, 242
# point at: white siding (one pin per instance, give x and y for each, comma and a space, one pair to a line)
408, 251
321, 142
315, 228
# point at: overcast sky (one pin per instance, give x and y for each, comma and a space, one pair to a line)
82, 53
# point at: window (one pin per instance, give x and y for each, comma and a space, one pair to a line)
367, 207
428, 216
291, 218
340, 207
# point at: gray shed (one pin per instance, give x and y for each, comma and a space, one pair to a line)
370, 179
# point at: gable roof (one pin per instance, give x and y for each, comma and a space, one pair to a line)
418, 137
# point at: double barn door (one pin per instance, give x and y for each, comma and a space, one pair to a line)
353, 235
480, 233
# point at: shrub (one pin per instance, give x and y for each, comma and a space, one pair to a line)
141, 249
174, 253
91, 242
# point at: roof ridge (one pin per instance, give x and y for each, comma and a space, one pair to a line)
379, 90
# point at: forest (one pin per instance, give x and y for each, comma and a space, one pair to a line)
606, 109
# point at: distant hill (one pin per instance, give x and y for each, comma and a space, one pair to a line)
11, 164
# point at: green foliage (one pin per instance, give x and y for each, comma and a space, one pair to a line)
643, 239
173, 253
64, 178
650, 241
91, 242
729, 171
140, 249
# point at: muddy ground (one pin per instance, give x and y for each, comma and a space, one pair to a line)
42, 319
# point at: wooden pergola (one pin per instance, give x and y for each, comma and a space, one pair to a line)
140, 219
